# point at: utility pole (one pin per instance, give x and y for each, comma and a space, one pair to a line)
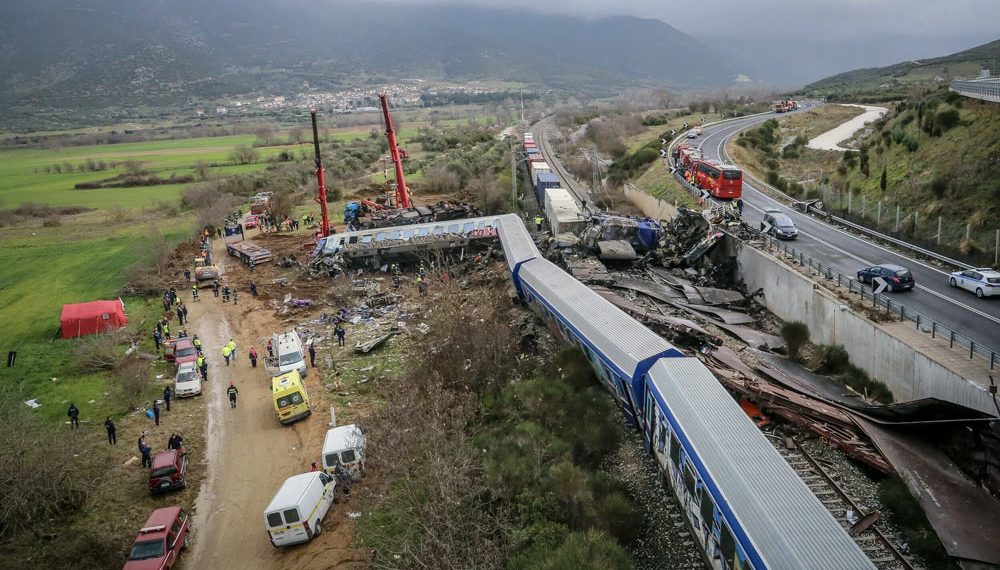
513, 177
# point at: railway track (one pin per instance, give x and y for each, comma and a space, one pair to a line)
579, 194
863, 528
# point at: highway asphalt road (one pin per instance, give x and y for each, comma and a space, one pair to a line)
978, 319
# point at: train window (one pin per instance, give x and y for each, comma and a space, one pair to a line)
663, 434
408, 234
469, 227
728, 546
380, 236
690, 481
675, 450
707, 507
649, 408
423, 231
454, 228
587, 351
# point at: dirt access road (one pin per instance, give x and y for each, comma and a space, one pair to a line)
249, 454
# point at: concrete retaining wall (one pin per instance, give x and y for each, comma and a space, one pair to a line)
911, 365
651, 206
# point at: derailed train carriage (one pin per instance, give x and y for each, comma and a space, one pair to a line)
745, 505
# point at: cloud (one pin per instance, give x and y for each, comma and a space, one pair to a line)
795, 41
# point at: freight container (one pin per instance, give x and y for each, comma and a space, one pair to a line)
563, 212
537, 167
545, 180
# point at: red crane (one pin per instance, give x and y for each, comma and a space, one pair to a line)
402, 192
324, 228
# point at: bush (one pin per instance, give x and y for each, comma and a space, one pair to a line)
796, 335
947, 118
771, 177
40, 478
939, 186
911, 143
829, 359
772, 164
584, 551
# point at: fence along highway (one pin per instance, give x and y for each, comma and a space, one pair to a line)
978, 319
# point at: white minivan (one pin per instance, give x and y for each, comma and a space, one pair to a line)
296, 512
345, 444
290, 353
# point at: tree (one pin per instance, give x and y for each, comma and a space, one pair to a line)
664, 98
295, 135
796, 335
883, 182
244, 154
265, 136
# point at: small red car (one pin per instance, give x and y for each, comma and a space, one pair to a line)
169, 471
160, 541
180, 351
251, 222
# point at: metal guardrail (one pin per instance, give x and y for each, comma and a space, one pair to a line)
894, 308
872, 234
987, 88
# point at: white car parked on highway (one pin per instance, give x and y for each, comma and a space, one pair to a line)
984, 282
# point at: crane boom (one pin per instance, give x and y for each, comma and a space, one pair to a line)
324, 229
402, 191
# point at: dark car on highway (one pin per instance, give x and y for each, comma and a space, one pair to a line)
897, 278
778, 225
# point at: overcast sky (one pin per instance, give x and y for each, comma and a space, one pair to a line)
804, 40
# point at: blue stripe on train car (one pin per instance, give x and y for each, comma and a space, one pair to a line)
721, 503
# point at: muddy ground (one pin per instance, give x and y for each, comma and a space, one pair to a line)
248, 453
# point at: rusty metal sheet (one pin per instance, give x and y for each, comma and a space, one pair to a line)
752, 337
728, 317
654, 290
650, 316
714, 296
964, 516
683, 285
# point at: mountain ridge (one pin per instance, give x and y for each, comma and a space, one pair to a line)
111, 53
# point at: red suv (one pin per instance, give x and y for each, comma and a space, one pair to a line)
180, 351
169, 471
160, 541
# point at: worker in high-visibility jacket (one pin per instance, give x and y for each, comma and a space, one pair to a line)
226, 353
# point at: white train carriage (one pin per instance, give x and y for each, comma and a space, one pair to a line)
747, 508
745, 504
620, 349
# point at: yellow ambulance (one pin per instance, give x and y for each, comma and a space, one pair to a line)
291, 401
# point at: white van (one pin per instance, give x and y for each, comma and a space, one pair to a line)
345, 444
290, 353
296, 512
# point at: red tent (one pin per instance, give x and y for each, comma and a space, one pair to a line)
79, 319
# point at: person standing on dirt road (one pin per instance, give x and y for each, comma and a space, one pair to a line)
194, 293
180, 314
74, 415
166, 396
312, 354
253, 357
236, 296
253, 285
227, 353
158, 338
232, 391
232, 348
341, 333
156, 412
215, 288
112, 431
270, 349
